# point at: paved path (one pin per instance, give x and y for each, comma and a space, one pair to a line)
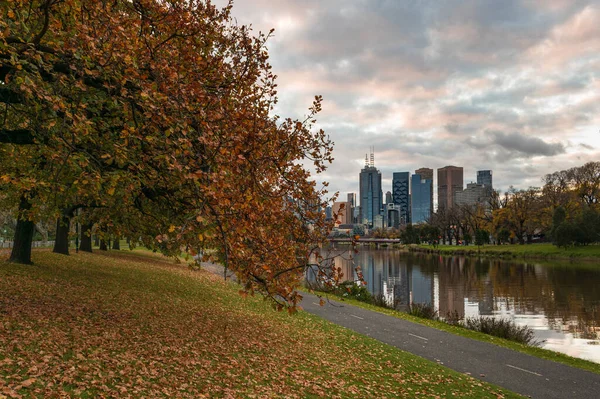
518, 372
521, 373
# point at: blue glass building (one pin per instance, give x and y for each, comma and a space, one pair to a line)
421, 201
371, 194
400, 195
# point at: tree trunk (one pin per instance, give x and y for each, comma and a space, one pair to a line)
97, 241
21, 250
86, 237
61, 243
116, 244
103, 246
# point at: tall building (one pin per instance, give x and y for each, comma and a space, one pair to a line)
343, 213
371, 194
400, 195
425, 173
388, 198
353, 207
450, 181
421, 199
328, 213
484, 177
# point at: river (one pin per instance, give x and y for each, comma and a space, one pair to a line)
559, 301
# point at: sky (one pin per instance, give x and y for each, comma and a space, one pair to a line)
511, 85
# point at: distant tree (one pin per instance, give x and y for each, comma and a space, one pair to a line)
482, 237
503, 236
558, 218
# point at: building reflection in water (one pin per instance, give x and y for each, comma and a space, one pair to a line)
560, 302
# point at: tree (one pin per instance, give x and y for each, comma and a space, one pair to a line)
558, 218
482, 237
160, 114
522, 212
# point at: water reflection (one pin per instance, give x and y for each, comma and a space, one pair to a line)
560, 301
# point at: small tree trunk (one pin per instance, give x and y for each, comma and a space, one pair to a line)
21, 250
61, 243
103, 246
116, 244
86, 237
97, 241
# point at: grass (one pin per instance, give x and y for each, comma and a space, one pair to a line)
121, 324
541, 250
458, 330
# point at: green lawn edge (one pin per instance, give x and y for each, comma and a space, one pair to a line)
463, 332
548, 251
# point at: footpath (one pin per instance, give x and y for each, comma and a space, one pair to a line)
516, 371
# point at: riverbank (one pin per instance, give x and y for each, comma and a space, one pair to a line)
464, 332
132, 324
514, 251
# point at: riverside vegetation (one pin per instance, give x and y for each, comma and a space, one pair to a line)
501, 328
133, 324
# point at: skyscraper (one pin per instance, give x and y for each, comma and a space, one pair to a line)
371, 194
427, 174
400, 195
484, 177
352, 199
450, 181
388, 198
342, 212
353, 207
421, 199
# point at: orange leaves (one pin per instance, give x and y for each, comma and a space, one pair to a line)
169, 126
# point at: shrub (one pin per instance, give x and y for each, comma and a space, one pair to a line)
423, 310
354, 291
502, 328
379, 300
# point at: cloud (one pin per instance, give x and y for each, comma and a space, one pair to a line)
431, 83
516, 144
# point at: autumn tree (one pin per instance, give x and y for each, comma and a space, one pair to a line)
160, 116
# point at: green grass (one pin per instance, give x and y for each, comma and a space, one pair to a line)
440, 325
131, 324
541, 250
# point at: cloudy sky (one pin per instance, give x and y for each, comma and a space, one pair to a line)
507, 85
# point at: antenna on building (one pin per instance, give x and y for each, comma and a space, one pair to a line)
372, 156
366, 160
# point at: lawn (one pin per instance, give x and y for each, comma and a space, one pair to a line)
122, 324
541, 250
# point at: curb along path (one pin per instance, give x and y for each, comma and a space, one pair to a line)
516, 371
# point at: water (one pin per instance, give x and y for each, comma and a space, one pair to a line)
560, 301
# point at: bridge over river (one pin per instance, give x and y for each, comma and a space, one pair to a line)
364, 240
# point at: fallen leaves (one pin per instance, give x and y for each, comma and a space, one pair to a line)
131, 326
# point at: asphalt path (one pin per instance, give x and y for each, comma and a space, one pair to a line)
516, 371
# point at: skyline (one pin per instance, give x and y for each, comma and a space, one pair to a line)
511, 86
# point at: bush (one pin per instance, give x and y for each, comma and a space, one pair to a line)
502, 328
423, 310
379, 300
354, 291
